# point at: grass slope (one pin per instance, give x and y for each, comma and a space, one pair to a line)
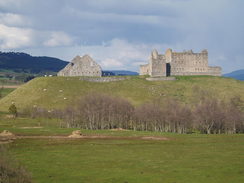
45, 91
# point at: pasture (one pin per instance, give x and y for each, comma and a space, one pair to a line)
182, 158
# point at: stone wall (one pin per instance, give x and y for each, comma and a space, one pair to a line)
103, 79
189, 63
144, 69
214, 71
161, 79
158, 64
81, 66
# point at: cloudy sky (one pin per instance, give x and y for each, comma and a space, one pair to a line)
120, 34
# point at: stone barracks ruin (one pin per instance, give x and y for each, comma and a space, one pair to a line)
179, 64
81, 66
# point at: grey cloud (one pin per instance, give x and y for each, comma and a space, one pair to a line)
180, 24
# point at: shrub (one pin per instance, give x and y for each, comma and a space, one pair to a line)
13, 110
10, 171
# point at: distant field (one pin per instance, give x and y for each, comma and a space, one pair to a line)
184, 158
11, 86
6, 90
58, 92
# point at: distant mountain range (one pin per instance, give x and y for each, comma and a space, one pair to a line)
22, 62
238, 74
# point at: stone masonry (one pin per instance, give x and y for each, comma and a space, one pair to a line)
179, 63
82, 66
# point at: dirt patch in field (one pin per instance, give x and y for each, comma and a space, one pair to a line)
30, 127
154, 138
75, 134
9, 116
119, 129
6, 137
11, 86
5, 141
6, 133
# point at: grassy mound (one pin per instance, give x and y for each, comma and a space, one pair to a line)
58, 92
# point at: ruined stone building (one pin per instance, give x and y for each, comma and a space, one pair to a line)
179, 63
81, 66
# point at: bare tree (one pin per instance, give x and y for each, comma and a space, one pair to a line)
205, 115
149, 117
100, 111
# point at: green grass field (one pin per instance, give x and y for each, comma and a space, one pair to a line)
58, 92
184, 158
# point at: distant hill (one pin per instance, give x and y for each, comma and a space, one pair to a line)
238, 74
22, 62
119, 73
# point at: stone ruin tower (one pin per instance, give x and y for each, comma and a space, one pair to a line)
81, 66
156, 67
179, 63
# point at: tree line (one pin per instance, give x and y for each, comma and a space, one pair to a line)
100, 111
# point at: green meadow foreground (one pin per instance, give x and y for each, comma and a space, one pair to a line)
182, 158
